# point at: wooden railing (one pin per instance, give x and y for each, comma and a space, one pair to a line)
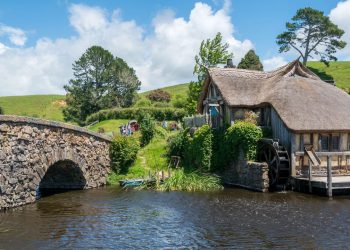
329, 174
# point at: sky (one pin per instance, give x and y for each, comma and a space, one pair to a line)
40, 40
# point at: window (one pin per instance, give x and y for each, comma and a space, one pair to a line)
335, 142
330, 142
324, 142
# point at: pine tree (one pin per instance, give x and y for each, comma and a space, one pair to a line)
251, 61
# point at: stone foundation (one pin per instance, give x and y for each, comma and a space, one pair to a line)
249, 175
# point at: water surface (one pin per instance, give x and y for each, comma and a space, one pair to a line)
111, 218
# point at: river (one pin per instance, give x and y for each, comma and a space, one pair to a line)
111, 218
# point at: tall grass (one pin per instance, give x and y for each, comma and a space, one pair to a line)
181, 181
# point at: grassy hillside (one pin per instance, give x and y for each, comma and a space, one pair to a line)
41, 106
180, 89
50, 106
339, 71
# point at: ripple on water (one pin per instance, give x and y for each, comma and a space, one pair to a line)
234, 218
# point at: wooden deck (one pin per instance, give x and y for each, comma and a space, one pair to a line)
319, 185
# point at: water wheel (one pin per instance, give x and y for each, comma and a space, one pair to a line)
277, 158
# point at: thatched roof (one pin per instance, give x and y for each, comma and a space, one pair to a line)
303, 101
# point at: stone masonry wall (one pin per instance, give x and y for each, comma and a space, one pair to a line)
249, 175
27, 150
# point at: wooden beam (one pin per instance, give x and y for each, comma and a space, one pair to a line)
329, 176
310, 176
337, 153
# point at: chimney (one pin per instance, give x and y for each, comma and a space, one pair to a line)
230, 64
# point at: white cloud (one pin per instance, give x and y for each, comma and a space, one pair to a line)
340, 15
15, 35
274, 63
162, 57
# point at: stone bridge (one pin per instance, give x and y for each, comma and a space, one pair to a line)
37, 156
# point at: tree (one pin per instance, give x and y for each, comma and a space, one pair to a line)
100, 81
311, 33
211, 53
251, 61
159, 95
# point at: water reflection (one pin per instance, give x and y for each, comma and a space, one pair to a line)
234, 218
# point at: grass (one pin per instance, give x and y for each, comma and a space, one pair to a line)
339, 71
181, 181
149, 158
109, 126
41, 106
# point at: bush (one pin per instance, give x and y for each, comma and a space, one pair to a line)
180, 101
159, 95
176, 144
198, 150
143, 103
123, 151
160, 114
147, 129
243, 136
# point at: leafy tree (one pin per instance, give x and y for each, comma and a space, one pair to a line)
100, 81
211, 53
251, 61
311, 33
159, 95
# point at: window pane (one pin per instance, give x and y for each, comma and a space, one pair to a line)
324, 142
335, 142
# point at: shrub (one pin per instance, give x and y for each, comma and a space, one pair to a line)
143, 103
147, 128
179, 101
176, 144
159, 95
159, 114
243, 136
251, 117
198, 150
161, 105
123, 151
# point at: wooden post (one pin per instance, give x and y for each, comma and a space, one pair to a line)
310, 176
329, 176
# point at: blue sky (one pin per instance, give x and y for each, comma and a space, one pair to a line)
50, 35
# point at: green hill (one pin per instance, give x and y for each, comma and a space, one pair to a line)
42, 106
50, 106
339, 71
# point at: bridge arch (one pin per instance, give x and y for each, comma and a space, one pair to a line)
34, 153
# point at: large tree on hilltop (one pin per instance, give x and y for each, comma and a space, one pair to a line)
211, 53
100, 81
251, 61
311, 33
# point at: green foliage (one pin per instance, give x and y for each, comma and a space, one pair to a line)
177, 143
1, 111
243, 136
198, 149
100, 81
179, 101
159, 95
147, 128
311, 33
251, 61
220, 154
194, 91
191, 182
142, 103
211, 53
159, 114
123, 151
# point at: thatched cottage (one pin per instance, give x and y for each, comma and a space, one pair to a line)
300, 108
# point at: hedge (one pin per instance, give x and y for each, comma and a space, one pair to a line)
159, 114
